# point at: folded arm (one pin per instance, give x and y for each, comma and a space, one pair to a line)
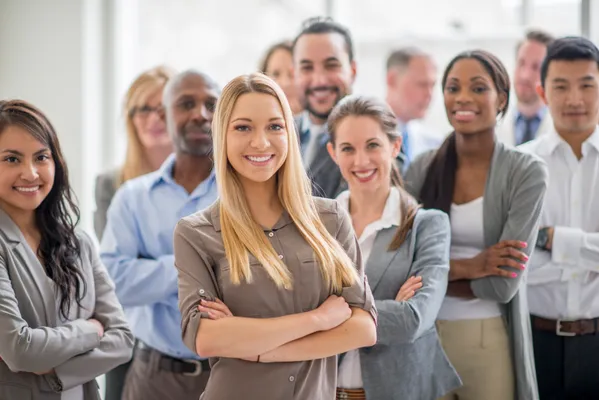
116, 345
37, 350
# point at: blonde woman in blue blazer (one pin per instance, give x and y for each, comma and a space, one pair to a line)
406, 255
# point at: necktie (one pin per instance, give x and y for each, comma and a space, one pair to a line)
405, 146
529, 134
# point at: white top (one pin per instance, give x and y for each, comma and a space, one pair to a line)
467, 240
564, 283
350, 374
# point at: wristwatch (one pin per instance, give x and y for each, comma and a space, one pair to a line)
543, 238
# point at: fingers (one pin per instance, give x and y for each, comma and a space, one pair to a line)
511, 243
512, 252
509, 262
218, 306
503, 273
212, 314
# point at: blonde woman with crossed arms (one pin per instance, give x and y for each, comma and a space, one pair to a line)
283, 267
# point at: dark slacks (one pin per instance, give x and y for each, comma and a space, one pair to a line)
115, 382
567, 367
146, 381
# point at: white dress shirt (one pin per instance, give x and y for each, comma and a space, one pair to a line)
316, 132
564, 283
350, 374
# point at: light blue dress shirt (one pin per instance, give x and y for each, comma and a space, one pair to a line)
137, 249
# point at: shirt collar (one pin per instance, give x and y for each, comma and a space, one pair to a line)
551, 141
539, 115
215, 217
391, 213
164, 174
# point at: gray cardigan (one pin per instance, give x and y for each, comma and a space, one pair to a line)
33, 340
513, 199
105, 190
408, 362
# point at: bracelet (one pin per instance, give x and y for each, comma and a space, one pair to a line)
258, 360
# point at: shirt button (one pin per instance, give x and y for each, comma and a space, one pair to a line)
280, 256
270, 234
202, 291
291, 378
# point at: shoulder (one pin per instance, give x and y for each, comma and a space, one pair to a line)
332, 215
202, 224
431, 217
87, 244
521, 162
107, 180
136, 186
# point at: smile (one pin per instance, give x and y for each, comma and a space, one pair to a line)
464, 115
25, 189
365, 176
260, 160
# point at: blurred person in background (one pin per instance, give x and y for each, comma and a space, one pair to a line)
528, 118
148, 145
137, 245
278, 64
411, 78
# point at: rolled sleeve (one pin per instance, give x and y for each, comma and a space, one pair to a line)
359, 294
196, 280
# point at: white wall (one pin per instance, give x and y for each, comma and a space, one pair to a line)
51, 57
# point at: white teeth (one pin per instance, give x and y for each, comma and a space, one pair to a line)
464, 113
27, 189
364, 175
259, 159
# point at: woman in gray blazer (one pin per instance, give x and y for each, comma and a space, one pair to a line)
148, 142
406, 255
61, 325
494, 196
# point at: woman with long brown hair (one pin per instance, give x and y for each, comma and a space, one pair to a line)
406, 255
61, 325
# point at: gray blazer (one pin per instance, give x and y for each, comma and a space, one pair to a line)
513, 199
408, 362
32, 339
105, 190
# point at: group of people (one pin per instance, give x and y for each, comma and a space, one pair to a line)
282, 238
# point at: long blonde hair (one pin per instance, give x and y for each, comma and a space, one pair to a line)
136, 162
241, 234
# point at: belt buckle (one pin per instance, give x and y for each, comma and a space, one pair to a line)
198, 369
559, 332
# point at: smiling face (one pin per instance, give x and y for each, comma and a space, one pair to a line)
27, 171
471, 98
324, 73
257, 139
150, 128
364, 153
572, 94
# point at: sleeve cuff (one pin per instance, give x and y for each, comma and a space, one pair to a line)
566, 245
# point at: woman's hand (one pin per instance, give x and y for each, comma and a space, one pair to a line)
98, 326
215, 309
409, 288
503, 254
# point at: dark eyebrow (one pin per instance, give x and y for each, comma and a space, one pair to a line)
478, 77
560, 80
329, 59
587, 78
306, 62
18, 153
249, 120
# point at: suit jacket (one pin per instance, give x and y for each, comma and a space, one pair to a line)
32, 339
105, 190
408, 362
325, 175
506, 128
513, 199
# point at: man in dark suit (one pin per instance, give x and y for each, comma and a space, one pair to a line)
325, 70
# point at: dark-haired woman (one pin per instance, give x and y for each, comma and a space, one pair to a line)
406, 255
493, 195
61, 325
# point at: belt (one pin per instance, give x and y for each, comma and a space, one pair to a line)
566, 328
172, 364
351, 394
